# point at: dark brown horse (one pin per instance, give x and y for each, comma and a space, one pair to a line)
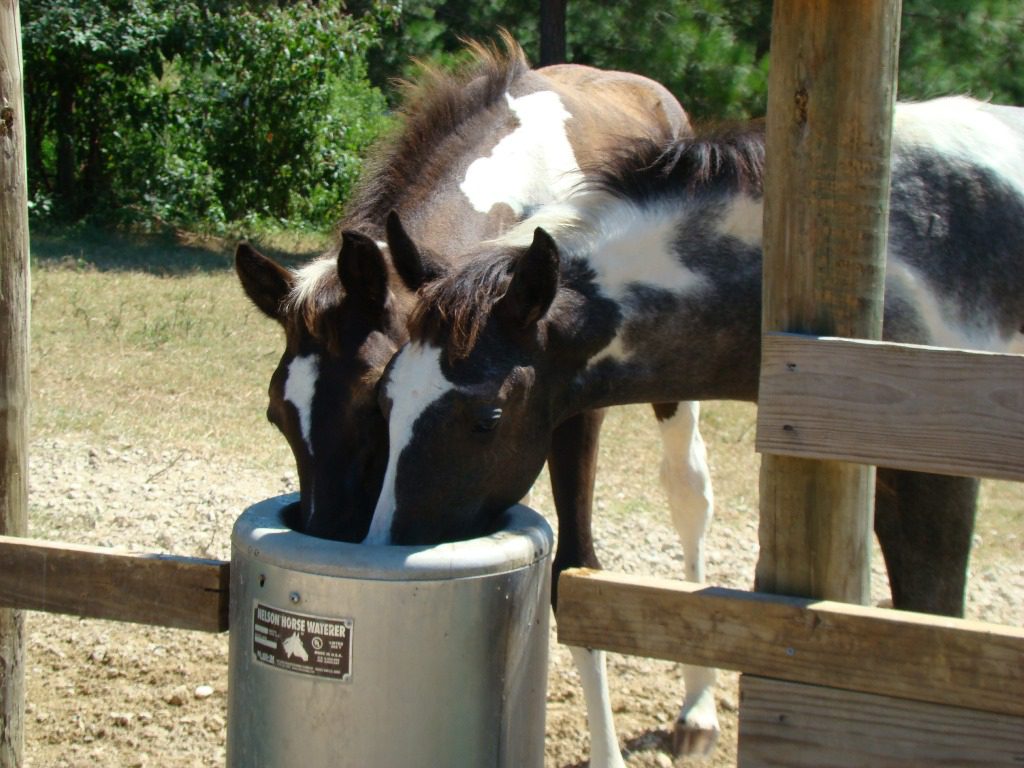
476, 152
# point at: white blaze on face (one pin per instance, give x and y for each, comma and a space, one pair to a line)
414, 383
299, 388
533, 165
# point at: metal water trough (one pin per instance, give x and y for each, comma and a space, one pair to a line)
387, 657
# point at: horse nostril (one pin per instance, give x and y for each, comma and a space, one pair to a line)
487, 420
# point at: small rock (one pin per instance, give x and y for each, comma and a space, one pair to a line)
203, 691
121, 719
177, 697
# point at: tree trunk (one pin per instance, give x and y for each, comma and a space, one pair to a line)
65, 127
552, 32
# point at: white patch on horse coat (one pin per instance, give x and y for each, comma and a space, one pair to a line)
532, 165
604, 745
415, 382
940, 319
686, 477
744, 220
299, 389
635, 249
959, 127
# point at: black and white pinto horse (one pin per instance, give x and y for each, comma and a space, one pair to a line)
645, 287
477, 151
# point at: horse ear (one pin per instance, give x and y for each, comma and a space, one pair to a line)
361, 269
414, 265
534, 282
266, 283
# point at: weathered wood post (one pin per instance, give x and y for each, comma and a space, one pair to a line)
830, 99
14, 391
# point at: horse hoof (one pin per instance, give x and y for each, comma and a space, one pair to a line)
693, 741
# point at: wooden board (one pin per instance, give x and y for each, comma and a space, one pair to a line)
873, 650
806, 726
163, 590
14, 364
896, 405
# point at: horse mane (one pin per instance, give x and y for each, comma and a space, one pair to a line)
727, 157
451, 312
433, 107
316, 291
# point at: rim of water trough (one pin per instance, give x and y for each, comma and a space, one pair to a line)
262, 533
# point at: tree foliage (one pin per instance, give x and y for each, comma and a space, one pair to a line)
713, 54
211, 111
973, 47
197, 111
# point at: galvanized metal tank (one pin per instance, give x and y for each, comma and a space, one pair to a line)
387, 657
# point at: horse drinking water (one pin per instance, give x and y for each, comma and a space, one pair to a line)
477, 151
645, 286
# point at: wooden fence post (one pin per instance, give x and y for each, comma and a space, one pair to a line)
14, 390
830, 99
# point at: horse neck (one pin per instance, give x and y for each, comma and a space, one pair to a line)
683, 277
480, 170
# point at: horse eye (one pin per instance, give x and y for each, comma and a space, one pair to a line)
488, 420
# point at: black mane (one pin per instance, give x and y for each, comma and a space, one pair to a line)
727, 157
451, 312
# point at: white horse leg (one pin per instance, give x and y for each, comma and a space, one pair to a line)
687, 482
604, 745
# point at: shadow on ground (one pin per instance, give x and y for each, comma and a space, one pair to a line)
163, 253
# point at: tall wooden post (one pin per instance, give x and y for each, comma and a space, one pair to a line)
14, 391
830, 98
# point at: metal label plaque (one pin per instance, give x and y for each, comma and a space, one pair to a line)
296, 642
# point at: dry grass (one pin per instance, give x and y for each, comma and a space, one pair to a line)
152, 341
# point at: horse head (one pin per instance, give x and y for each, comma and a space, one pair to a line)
477, 384
343, 319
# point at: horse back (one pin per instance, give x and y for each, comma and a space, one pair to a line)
609, 106
956, 239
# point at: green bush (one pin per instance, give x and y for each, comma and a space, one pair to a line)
197, 114
206, 113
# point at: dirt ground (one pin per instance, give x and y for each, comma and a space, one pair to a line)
112, 694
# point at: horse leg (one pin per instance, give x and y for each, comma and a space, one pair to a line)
687, 482
924, 525
572, 464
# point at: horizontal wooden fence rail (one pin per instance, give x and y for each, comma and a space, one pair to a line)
100, 583
810, 726
913, 656
896, 405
